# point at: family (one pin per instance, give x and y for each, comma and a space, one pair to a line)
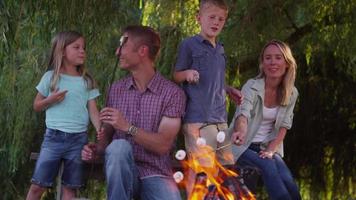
144, 112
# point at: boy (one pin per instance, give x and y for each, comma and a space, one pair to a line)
200, 67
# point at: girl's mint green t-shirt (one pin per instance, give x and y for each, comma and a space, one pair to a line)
70, 115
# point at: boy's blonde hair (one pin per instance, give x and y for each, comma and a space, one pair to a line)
219, 3
59, 43
287, 85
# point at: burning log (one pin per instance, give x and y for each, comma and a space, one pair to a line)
233, 188
216, 182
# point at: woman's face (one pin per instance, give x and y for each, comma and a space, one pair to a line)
273, 62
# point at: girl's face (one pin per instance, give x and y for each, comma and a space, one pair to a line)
273, 62
74, 53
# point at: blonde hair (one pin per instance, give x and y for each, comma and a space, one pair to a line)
59, 43
286, 87
219, 3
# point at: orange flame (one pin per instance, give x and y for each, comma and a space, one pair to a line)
216, 174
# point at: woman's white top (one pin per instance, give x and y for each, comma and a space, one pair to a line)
269, 118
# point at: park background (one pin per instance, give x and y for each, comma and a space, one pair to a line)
320, 147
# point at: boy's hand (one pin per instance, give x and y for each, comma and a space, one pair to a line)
192, 76
235, 95
56, 96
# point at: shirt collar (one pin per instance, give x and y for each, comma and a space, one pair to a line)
203, 40
259, 86
153, 85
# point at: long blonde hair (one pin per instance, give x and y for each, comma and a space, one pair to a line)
59, 43
287, 84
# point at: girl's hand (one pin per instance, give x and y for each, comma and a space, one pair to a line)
192, 76
100, 133
56, 96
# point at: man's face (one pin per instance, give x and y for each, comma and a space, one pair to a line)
127, 52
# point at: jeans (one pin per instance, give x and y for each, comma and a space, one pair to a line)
123, 181
276, 176
60, 146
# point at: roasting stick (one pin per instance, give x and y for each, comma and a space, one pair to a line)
123, 40
226, 145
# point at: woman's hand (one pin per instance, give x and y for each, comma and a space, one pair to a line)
266, 154
238, 137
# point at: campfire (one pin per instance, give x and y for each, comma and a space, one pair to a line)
217, 182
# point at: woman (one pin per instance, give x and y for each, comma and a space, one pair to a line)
262, 120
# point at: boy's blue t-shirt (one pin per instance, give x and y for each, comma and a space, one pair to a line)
70, 115
206, 99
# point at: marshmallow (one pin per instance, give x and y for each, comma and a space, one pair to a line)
220, 137
178, 176
180, 155
201, 142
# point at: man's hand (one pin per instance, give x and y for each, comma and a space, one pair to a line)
115, 118
89, 152
235, 95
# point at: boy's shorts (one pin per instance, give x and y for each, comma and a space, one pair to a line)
206, 155
60, 146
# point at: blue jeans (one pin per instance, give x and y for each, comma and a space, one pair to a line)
276, 176
60, 146
123, 181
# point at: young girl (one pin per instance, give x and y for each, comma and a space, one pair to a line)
67, 93
264, 117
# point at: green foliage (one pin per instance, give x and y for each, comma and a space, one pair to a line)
320, 147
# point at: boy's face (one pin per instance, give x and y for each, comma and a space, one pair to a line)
211, 19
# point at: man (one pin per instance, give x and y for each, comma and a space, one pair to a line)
144, 113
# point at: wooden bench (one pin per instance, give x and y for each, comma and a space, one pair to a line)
94, 170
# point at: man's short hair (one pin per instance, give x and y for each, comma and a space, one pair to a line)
144, 35
219, 3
